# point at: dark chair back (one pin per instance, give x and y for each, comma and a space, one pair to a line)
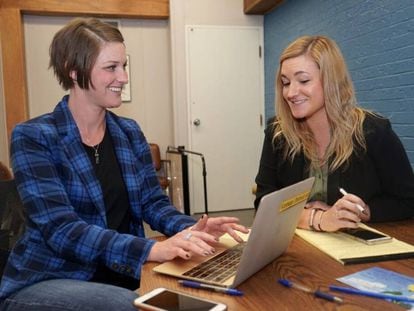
12, 219
160, 166
5, 173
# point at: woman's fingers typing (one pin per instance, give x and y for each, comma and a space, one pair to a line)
184, 244
217, 226
198, 239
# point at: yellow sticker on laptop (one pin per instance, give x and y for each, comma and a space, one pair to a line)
293, 201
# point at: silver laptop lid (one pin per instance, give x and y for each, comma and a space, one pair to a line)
273, 227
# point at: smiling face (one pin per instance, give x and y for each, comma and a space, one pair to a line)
108, 76
302, 88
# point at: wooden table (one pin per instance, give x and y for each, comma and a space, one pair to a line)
305, 264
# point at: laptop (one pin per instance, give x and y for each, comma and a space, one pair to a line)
270, 235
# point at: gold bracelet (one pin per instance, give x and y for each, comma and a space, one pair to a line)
312, 215
320, 220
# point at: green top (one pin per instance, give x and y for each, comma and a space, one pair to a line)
320, 187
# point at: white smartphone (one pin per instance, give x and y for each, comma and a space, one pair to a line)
162, 299
367, 236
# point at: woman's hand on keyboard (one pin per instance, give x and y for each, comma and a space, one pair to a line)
183, 244
217, 226
197, 239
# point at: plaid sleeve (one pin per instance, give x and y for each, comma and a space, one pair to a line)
65, 232
155, 206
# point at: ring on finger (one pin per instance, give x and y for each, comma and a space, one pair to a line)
188, 236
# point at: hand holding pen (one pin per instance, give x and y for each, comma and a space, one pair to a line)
347, 212
364, 212
360, 208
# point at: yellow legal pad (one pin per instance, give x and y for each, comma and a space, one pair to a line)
349, 251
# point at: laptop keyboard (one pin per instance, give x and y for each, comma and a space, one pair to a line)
220, 267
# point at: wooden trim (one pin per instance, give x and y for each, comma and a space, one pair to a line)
14, 74
260, 6
12, 38
158, 9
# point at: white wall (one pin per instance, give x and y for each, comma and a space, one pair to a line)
197, 12
43, 89
148, 45
158, 66
150, 64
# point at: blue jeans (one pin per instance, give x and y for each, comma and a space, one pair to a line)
65, 294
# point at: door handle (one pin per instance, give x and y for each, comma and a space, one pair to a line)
196, 122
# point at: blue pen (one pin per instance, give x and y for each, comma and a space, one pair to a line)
316, 293
355, 291
228, 291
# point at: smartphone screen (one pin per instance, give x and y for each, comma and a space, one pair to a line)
367, 235
175, 302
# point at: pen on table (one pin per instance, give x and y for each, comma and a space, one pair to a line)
316, 293
355, 291
361, 209
228, 291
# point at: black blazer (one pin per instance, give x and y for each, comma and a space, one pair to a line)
381, 176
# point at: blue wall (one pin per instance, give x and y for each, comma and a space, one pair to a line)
377, 40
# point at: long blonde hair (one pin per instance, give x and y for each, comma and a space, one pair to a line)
345, 118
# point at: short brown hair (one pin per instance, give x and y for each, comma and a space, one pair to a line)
75, 48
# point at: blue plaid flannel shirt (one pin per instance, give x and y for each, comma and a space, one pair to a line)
66, 232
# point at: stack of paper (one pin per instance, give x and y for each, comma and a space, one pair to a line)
348, 251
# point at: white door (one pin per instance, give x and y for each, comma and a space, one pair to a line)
225, 98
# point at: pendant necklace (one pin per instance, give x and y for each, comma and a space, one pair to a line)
96, 149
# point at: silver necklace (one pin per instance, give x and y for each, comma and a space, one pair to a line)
96, 149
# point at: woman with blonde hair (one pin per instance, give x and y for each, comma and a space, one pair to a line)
320, 131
